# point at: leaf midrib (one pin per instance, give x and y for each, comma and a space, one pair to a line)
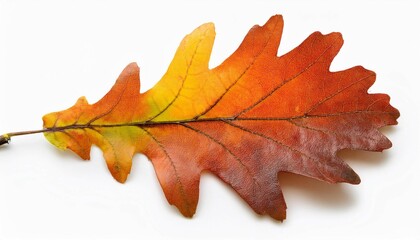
208, 120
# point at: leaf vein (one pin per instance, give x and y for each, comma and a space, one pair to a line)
111, 108
316, 161
335, 94
178, 179
224, 147
184, 79
311, 128
284, 83
238, 79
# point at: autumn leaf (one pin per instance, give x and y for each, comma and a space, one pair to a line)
246, 120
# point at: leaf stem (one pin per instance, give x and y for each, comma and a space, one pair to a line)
5, 138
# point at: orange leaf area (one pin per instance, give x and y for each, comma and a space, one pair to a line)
246, 120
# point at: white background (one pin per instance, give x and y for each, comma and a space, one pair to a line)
52, 52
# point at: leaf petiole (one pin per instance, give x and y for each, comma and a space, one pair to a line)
5, 138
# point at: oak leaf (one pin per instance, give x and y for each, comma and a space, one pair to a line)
246, 120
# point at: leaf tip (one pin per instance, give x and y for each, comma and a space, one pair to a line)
188, 212
133, 65
276, 17
203, 30
131, 69
280, 216
332, 38
351, 177
118, 175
